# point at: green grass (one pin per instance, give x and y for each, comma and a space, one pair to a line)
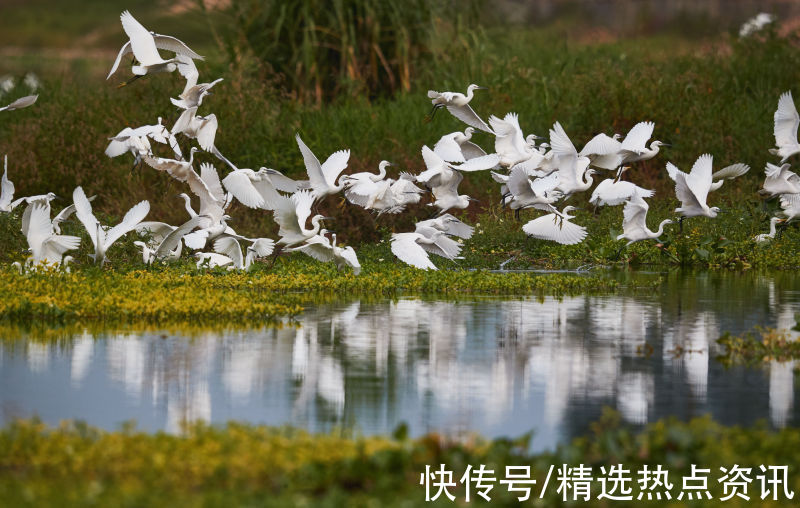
236, 464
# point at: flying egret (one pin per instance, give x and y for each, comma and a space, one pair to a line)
393, 197
458, 105
291, 214
364, 189
790, 206
101, 238
718, 177
323, 176
457, 147
167, 247
192, 97
613, 191
137, 141
6, 189
413, 248
634, 222
201, 128
765, 237
573, 169
229, 247
525, 190
144, 45
43, 199
779, 180
258, 189
785, 129
449, 225
556, 227
324, 250
609, 153
692, 190
510, 144
46, 246
20, 103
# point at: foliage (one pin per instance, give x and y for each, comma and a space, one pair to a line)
321, 49
77, 465
771, 345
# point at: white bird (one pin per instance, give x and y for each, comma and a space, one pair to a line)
43, 199
785, 129
229, 247
22, 102
192, 97
613, 191
213, 260
101, 238
608, 153
573, 172
779, 180
458, 105
413, 248
457, 147
525, 190
258, 189
145, 45
510, 144
291, 214
166, 242
6, 189
718, 177
137, 141
556, 227
322, 249
201, 128
323, 176
765, 237
692, 190
443, 178
447, 224
399, 194
634, 222
790, 206
45, 245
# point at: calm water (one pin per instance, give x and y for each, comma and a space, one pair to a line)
498, 367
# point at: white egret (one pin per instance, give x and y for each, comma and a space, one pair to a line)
144, 45
692, 190
398, 194
413, 248
525, 190
137, 141
765, 237
718, 177
65, 214
324, 250
43, 199
323, 176
785, 129
511, 146
229, 247
258, 189
447, 224
573, 172
364, 189
608, 153
458, 105
613, 191
201, 128
213, 260
101, 238
779, 180
556, 227
790, 206
45, 245
6, 189
167, 243
634, 222
20, 103
291, 214
192, 97
457, 147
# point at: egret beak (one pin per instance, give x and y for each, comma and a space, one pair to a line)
473, 199
666, 144
328, 218
59, 198
481, 88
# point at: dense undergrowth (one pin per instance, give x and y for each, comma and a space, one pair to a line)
237, 464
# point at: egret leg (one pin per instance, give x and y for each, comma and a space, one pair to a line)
516, 214
124, 83
680, 224
430, 115
619, 253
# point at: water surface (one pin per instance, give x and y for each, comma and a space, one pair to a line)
494, 366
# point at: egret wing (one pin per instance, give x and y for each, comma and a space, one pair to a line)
142, 43
699, 178
83, 209
467, 115
209, 175
786, 121
732, 171
241, 186
405, 247
637, 137
601, 144
560, 143
126, 48
134, 216
173, 238
448, 149
480, 163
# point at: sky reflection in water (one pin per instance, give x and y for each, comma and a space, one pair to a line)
498, 367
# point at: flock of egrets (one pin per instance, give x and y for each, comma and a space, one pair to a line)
534, 176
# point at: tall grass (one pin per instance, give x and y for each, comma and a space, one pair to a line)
321, 49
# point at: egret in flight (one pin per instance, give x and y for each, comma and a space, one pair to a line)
786, 121
692, 190
634, 222
20, 103
458, 105
323, 176
556, 227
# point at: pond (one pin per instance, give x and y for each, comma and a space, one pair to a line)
499, 367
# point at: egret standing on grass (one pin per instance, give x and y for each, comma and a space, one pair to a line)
765, 237
101, 238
